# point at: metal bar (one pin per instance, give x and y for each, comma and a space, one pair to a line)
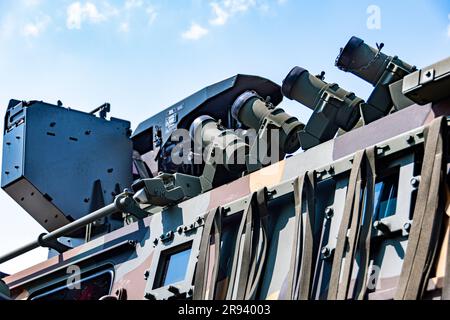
67, 229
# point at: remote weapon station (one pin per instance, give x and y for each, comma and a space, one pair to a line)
226, 196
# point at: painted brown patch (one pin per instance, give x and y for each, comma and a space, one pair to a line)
229, 193
267, 177
381, 130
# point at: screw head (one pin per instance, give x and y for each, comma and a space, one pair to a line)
329, 213
415, 182
150, 296
407, 227
410, 139
169, 234
326, 252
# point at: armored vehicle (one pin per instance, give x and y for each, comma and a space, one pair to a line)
225, 196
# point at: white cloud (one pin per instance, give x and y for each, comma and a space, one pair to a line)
224, 10
235, 6
195, 32
124, 27
131, 4
152, 14
221, 16
78, 13
7, 26
128, 11
31, 3
34, 29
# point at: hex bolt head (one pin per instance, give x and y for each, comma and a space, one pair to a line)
155, 242
407, 227
410, 140
415, 182
326, 252
180, 230
329, 213
174, 290
146, 274
169, 235
150, 296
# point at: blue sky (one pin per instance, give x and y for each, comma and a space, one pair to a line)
144, 55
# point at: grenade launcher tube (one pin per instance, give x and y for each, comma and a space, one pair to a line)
67, 229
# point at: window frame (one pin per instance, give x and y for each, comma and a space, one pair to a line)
61, 284
184, 240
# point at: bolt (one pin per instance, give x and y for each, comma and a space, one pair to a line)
320, 174
150, 296
155, 242
146, 274
180, 230
407, 227
410, 139
174, 290
329, 213
271, 194
382, 150
326, 253
380, 226
200, 220
415, 182
169, 235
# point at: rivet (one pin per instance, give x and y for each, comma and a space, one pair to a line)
407, 227
410, 139
329, 213
415, 182
326, 253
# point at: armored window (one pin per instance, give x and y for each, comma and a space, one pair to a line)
89, 287
173, 266
386, 192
